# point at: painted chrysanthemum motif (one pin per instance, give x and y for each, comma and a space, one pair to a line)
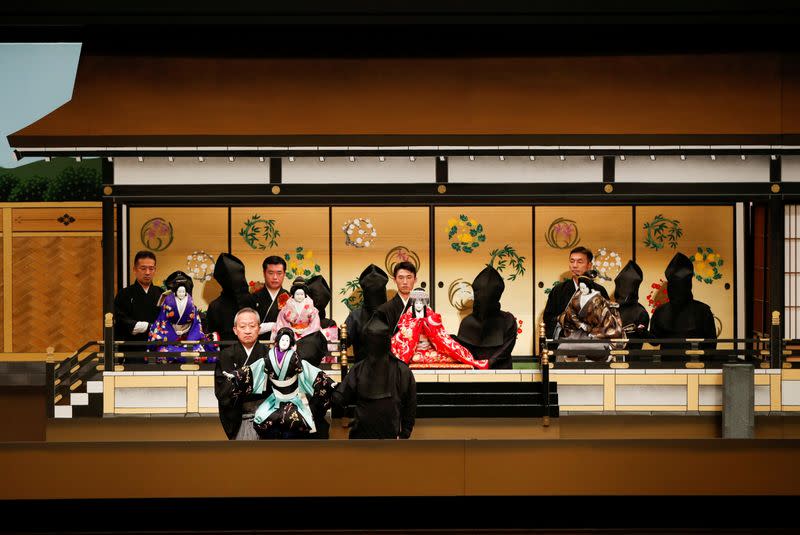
301, 264
465, 234
607, 263
200, 265
707, 265
359, 232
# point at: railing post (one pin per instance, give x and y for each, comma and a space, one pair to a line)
775, 341
544, 366
108, 279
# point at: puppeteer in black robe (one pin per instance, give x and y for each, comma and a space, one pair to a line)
373, 282
268, 308
229, 273
393, 309
488, 332
682, 316
132, 305
381, 387
559, 298
314, 347
232, 407
635, 319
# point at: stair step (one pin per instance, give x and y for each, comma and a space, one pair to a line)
484, 411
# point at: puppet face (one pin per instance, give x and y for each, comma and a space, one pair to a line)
180, 293
584, 289
284, 342
299, 295
419, 307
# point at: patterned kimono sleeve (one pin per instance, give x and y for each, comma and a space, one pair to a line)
316, 383
249, 379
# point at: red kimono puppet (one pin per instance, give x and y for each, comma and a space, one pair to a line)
422, 342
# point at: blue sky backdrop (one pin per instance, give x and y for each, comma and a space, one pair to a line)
37, 78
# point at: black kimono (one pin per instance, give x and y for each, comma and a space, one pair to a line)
267, 309
392, 310
373, 282
381, 387
488, 332
682, 316
131, 305
559, 298
229, 273
232, 407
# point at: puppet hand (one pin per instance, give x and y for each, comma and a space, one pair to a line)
140, 327
230, 376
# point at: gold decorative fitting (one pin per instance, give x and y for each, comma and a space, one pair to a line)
108, 319
119, 368
776, 317
690, 352
608, 188
74, 386
57, 399
100, 368
620, 365
107, 190
775, 188
787, 365
75, 368
276, 190
764, 365
695, 365
441, 188
546, 421
190, 353
619, 352
190, 367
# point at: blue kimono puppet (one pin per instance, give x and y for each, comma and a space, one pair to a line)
295, 386
178, 320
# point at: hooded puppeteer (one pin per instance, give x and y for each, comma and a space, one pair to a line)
381, 387
635, 319
682, 316
229, 273
488, 332
373, 281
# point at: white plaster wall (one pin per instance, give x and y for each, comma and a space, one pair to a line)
693, 169
580, 395
790, 168
190, 171
162, 397
651, 395
516, 169
365, 170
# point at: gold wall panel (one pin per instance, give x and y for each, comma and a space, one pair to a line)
558, 229
395, 227
3, 318
57, 219
503, 229
192, 230
305, 227
701, 226
57, 292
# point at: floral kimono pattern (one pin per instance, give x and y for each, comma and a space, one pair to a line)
303, 318
596, 318
424, 343
168, 324
292, 382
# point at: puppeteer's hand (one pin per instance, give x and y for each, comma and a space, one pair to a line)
141, 327
229, 375
266, 327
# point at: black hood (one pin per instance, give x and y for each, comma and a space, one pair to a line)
487, 289
178, 279
626, 284
486, 325
320, 293
679, 273
373, 281
376, 379
229, 273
